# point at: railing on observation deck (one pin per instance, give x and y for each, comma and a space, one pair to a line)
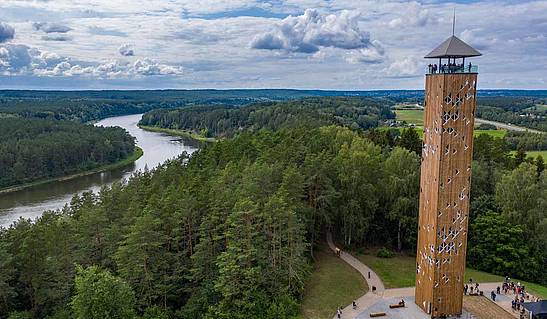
445, 69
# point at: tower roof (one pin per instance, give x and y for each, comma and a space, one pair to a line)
453, 47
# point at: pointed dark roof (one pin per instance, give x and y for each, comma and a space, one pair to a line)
453, 48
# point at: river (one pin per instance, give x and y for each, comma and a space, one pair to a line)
32, 202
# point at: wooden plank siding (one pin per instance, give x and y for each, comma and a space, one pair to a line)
444, 192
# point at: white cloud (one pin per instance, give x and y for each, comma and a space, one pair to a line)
312, 30
16, 59
212, 39
413, 16
50, 27
126, 50
56, 37
6, 32
372, 54
403, 67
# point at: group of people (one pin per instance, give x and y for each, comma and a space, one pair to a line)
449, 68
471, 288
520, 295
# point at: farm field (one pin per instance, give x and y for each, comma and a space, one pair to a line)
415, 117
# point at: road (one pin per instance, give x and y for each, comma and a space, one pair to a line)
507, 126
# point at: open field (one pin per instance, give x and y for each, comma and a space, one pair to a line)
333, 283
494, 133
482, 308
533, 154
537, 108
411, 116
400, 271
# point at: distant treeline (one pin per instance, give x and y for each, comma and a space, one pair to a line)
226, 121
34, 149
524, 111
526, 141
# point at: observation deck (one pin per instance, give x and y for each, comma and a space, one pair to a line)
451, 69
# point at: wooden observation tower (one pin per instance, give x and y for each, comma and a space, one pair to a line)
450, 101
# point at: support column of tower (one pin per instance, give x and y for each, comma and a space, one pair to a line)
444, 192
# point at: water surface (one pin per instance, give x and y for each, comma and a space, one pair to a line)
32, 202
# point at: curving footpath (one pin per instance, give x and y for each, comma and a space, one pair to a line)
368, 299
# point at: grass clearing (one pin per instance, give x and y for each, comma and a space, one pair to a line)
493, 133
533, 154
415, 117
420, 131
332, 284
400, 271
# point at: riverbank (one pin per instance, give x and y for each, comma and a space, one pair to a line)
182, 133
138, 153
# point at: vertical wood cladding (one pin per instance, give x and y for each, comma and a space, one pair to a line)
444, 192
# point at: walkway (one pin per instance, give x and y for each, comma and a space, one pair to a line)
381, 298
509, 127
370, 298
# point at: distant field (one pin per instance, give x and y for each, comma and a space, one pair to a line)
495, 133
537, 108
534, 154
400, 271
332, 284
415, 117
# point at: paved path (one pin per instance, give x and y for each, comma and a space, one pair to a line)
509, 127
370, 298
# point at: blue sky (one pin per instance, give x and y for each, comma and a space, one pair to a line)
319, 44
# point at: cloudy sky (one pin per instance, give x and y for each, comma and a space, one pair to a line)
325, 44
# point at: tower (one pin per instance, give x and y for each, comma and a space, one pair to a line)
450, 94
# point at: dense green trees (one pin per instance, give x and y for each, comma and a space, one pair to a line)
528, 111
228, 235
508, 218
230, 232
99, 295
227, 121
34, 149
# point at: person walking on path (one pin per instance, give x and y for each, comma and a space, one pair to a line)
354, 305
339, 312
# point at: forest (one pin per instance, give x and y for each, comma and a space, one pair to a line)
37, 149
226, 121
231, 231
527, 111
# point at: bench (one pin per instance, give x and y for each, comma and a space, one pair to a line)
397, 305
377, 314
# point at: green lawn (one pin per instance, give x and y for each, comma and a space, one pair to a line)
400, 271
537, 108
494, 133
420, 130
395, 272
415, 117
332, 284
533, 154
